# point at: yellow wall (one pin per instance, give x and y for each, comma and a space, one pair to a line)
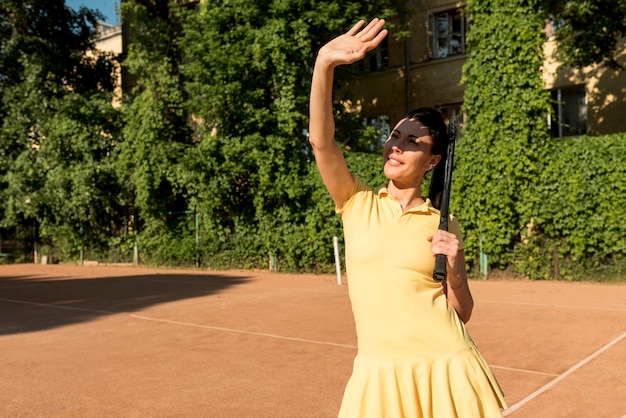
605, 88
110, 40
437, 82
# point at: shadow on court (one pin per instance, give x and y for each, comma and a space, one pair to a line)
27, 299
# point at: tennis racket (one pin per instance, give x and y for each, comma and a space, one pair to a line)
440, 272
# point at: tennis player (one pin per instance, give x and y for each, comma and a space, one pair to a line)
415, 357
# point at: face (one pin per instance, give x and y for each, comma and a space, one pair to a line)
407, 154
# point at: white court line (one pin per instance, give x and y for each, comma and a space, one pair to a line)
262, 334
571, 370
49, 305
187, 324
550, 305
522, 370
239, 331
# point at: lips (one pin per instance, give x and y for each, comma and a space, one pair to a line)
393, 161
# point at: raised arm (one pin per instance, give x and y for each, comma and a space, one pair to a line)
345, 49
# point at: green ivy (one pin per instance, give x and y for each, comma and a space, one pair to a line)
578, 226
505, 137
218, 137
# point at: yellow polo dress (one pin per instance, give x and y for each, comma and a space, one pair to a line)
415, 357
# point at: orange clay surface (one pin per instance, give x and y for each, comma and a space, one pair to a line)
108, 341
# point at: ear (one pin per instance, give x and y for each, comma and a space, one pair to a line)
434, 161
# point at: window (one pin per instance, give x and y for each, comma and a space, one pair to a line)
381, 123
379, 59
569, 116
376, 60
452, 111
552, 25
447, 33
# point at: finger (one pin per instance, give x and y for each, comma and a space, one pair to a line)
371, 30
452, 245
370, 45
445, 235
356, 27
441, 244
379, 38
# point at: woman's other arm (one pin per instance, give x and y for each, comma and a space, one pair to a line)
457, 288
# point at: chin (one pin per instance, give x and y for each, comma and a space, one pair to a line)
390, 170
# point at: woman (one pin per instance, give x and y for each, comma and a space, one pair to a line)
415, 357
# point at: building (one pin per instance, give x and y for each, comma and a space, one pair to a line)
426, 70
589, 101
109, 39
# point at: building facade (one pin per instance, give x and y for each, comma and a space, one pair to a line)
109, 39
426, 70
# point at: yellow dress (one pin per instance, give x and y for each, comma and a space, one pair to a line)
415, 357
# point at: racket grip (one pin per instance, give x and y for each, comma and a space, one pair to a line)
440, 273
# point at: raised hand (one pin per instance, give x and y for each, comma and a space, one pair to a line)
353, 45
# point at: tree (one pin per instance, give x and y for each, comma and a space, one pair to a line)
57, 125
505, 136
155, 132
249, 70
587, 30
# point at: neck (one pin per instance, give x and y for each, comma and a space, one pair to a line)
408, 196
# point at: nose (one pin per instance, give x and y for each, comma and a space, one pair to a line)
397, 144
391, 146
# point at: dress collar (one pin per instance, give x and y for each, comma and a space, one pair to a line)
425, 207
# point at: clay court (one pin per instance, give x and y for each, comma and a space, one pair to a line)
136, 342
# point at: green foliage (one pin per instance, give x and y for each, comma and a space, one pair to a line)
207, 162
534, 202
578, 225
300, 239
155, 132
68, 182
57, 125
54, 38
587, 30
505, 136
250, 174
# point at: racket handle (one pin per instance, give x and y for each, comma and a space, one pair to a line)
440, 268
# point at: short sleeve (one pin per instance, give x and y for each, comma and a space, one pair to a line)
359, 187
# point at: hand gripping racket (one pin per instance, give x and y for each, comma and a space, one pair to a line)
440, 273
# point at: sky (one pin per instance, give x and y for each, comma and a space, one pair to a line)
107, 7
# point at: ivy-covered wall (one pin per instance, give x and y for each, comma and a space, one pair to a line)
578, 229
505, 136
543, 207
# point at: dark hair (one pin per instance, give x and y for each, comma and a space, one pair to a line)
439, 132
